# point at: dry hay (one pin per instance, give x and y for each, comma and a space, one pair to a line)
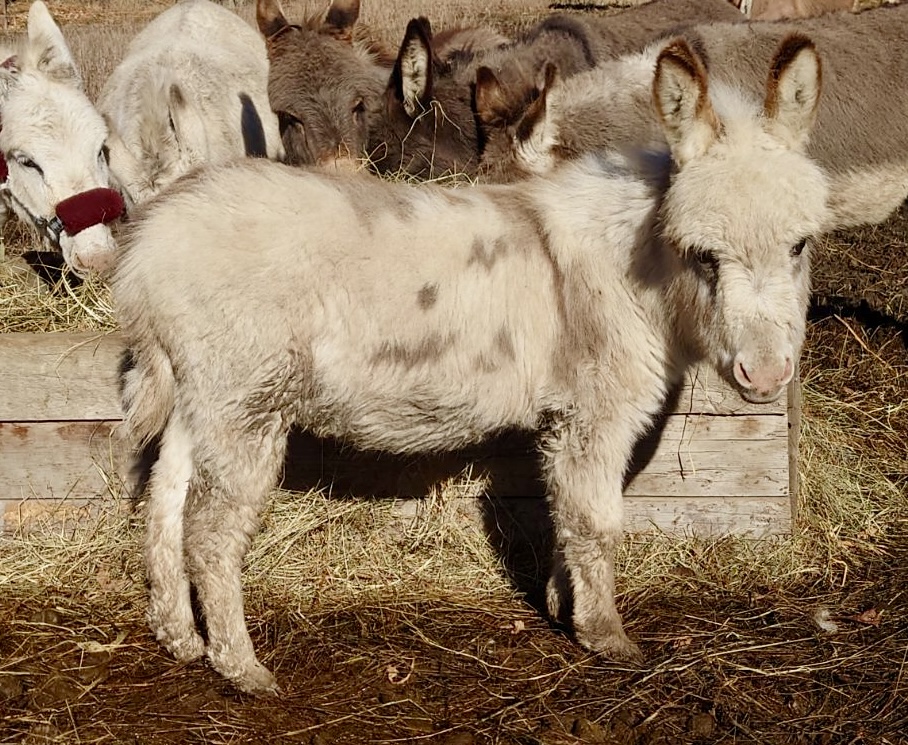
385, 627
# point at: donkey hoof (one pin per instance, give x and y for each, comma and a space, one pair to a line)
615, 646
187, 649
185, 646
258, 681
252, 678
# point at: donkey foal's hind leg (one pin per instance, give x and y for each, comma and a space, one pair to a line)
221, 520
169, 609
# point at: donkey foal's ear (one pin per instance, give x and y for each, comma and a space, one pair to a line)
270, 17
490, 98
412, 74
793, 90
681, 98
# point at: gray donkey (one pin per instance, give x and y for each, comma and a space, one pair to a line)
328, 77
862, 125
432, 117
257, 297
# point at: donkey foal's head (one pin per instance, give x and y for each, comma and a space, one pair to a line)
743, 202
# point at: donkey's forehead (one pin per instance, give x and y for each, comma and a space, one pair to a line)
39, 111
310, 52
757, 198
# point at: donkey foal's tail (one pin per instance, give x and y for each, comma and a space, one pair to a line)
147, 393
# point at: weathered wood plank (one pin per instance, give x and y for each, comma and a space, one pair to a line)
59, 376
61, 460
527, 520
716, 465
702, 455
69, 376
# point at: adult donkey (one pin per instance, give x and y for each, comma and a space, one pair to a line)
567, 305
432, 120
862, 128
328, 80
191, 89
53, 169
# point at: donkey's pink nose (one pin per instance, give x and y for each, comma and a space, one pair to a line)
763, 382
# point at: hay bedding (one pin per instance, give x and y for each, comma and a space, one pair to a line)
389, 629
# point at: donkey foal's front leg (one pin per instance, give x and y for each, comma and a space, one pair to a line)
586, 502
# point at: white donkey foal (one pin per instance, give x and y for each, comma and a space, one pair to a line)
54, 173
258, 297
191, 89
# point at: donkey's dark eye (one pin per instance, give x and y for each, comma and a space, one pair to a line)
798, 248
104, 154
26, 162
286, 120
359, 107
706, 258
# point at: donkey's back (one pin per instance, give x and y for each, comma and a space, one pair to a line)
192, 88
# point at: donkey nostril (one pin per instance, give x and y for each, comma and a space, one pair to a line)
789, 369
742, 376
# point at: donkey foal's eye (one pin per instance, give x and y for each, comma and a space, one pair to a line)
798, 248
706, 258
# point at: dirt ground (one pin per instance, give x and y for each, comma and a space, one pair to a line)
726, 661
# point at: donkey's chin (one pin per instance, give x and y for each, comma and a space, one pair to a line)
760, 397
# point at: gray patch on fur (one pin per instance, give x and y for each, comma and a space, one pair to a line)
479, 254
504, 343
428, 350
427, 296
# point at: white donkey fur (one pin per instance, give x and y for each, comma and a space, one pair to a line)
861, 133
173, 102
52, 136
256, 297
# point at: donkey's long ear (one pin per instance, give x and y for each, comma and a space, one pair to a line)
681, 97
411, 78
793, 90
270, 17
47, 50
489, 98
536, 133
9, 72
340, 18
497, 106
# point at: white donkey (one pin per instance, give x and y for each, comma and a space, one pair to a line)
862, 127
191, 89
54, 172
257, 297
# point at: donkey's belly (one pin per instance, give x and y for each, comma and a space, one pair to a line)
429, 416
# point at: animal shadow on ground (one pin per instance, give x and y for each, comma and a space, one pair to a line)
50, 267
514, 514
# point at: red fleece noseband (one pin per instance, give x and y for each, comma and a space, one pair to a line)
93, 207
